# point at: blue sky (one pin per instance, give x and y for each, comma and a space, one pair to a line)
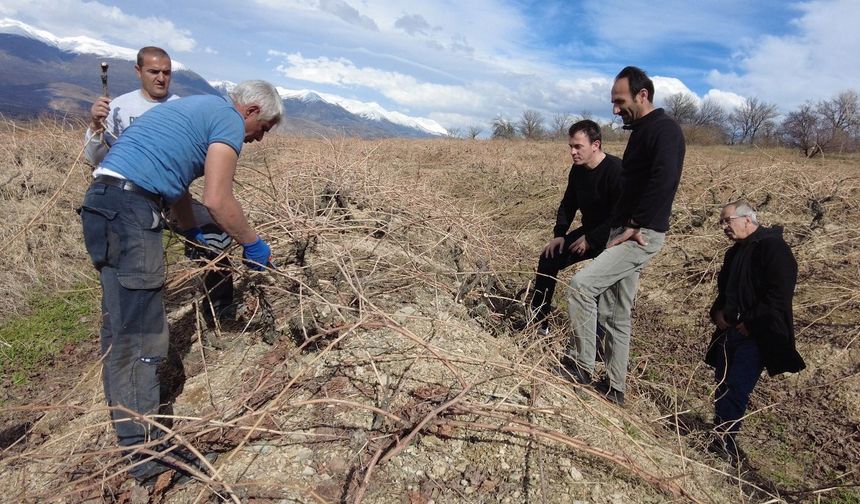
463, 63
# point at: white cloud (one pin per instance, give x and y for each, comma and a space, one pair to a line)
209, 50
813, 63
347, 13
401, 88
100, 21
666, 86
413, 24
725, 99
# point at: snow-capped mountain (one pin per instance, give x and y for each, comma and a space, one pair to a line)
372, 111
77, 45
42, 73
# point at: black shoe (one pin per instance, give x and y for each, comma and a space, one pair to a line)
725, 448
147, 475
543, 328
610, 394
569, 371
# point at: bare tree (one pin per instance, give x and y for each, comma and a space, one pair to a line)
711, 114
474, 131
531, 125
840, 116
801, 129
455, 132
750, 117
560, 123
503, 128
682, 107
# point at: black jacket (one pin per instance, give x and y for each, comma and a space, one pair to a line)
651, 172
594, 193
765, 274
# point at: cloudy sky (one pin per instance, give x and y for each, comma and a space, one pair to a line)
463, 63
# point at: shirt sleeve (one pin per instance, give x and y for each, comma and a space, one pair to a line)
228, 128
566, 209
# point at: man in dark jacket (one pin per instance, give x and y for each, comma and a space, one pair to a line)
593, 188
650, 174
752, 312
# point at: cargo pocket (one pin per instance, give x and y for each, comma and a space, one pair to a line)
142, 263
97, 232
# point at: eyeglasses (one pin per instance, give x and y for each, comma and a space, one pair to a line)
726, 220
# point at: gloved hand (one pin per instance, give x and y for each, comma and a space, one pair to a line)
257, 254
195, 244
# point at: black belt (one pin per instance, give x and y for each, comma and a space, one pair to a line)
127, 185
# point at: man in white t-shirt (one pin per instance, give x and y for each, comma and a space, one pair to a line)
110, 117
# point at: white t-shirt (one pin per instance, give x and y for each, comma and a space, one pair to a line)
124, 109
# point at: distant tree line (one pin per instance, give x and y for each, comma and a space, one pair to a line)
813, 128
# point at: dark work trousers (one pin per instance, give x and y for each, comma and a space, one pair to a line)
548, 268
122, 233
738, 370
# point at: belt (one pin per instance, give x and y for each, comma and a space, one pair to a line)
127, 185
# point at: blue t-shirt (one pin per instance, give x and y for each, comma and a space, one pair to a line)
164, 150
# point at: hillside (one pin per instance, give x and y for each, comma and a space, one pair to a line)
386, 359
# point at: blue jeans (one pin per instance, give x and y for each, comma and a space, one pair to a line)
122, 233
737, 373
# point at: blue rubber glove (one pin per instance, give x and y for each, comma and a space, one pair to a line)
257, 254
196, 241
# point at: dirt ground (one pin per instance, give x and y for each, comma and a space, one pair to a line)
389, 358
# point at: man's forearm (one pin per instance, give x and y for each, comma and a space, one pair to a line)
228, 214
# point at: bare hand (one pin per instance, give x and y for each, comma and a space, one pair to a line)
99, 112
720, 320
580, 246
741, 328
634, 234
549, 250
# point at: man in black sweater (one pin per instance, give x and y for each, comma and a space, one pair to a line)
752, 312
593, 188
605, 288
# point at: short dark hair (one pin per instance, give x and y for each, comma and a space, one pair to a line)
638, 80
587, 126
150, 51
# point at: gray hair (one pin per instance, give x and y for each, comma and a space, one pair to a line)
262, 94
744, 209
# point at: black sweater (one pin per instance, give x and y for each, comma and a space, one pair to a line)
651, 171
594, 193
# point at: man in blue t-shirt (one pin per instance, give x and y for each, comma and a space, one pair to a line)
151, 165
109, 119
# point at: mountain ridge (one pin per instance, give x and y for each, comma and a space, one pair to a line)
42, 74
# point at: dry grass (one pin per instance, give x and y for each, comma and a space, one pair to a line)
380, 363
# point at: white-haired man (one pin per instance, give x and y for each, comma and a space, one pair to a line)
152, 165
752, 312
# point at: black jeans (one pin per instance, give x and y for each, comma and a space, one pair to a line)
548, 268
737, 373
122, 233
